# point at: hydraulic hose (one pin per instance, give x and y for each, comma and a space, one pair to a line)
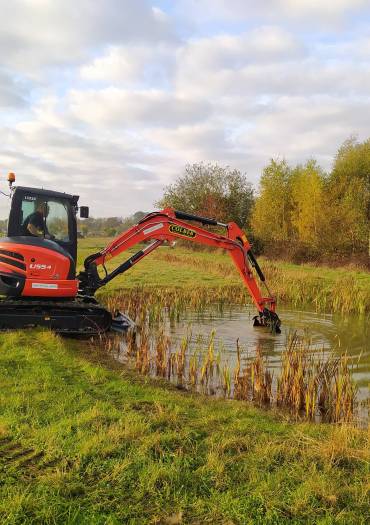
255, 265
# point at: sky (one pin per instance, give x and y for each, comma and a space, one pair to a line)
110, 99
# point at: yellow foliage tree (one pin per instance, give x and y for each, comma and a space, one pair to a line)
271, 219
349, 197
308, 195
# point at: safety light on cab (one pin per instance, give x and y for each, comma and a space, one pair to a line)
11, 178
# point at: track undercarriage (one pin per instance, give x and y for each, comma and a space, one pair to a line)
80, 317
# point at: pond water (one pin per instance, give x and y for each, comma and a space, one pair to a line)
331, 332
325, 333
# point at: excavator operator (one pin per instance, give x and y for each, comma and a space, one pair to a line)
34, 224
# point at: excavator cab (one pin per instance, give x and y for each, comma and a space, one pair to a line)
58, 212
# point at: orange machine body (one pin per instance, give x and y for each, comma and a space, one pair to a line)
31, 270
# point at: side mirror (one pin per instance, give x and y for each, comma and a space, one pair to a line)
84, 212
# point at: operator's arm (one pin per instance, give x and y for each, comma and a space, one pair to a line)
36, 225
34, 230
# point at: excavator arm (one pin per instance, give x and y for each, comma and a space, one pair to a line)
169, 225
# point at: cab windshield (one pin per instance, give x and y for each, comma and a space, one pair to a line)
45, 217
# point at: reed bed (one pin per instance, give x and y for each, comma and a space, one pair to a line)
156, 303
254, 381
340, 295
308, 386
153, 305
316, 385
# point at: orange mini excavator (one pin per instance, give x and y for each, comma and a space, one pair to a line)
38, 262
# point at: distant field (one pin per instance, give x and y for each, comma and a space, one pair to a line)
338, 289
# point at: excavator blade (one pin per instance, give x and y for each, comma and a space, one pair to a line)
122, 323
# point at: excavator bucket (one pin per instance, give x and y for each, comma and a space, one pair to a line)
268, 319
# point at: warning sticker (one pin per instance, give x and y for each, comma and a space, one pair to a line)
48, 286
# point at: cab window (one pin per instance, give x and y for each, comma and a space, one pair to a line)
57, 220
28, 207
56, 216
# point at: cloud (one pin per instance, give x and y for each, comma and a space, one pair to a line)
106, 174
327, 14
129, 109
320, 8
43, 33
229, 52
12, 92
117, 65
296, 129
193, 143
132, 65
255, 63
271, 62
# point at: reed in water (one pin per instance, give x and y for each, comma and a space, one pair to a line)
309, 385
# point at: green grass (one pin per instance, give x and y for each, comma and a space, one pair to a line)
327, 289
83, 440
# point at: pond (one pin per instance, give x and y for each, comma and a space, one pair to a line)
324, 335
350, 334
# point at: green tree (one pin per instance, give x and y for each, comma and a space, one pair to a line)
271, 220
137, 216
212, 191
308, 196
349, 198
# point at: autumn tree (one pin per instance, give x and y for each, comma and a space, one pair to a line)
272, 215
212, 191
308, 201
348, 209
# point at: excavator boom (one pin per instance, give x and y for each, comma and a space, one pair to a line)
169, 225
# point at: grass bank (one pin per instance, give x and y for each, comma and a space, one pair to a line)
84, 441
327, 289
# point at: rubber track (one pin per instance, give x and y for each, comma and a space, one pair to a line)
73, 318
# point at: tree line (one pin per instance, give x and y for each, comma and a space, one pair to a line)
107, 226
299, 212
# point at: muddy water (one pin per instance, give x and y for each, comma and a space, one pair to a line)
325, 332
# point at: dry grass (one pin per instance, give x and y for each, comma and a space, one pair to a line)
316, 385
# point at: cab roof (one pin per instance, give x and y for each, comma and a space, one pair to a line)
48, 193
